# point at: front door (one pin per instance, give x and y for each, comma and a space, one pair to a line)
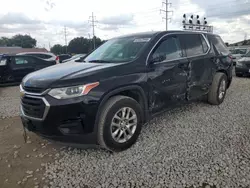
167, 74
20, 67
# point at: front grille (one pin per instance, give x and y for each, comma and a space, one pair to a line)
33, 107
33, 89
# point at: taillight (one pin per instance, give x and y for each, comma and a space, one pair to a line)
57, 59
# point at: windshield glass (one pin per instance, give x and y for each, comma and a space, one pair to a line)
239, 51
118, 50
247, 55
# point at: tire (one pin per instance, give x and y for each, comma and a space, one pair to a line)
112, 107
214, 97
239, 74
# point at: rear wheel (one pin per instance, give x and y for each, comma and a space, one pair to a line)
218, 89
120, 123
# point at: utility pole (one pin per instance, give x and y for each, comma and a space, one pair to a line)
166, 11
65, 36
92, 19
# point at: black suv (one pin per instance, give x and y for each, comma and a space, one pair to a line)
106, 99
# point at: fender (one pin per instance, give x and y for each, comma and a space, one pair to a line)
118, 90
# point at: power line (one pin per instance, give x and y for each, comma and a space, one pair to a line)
92, 19
65, 37
166, 3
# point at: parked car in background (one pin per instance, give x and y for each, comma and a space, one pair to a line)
242, 67
122, 84
238, 52
76, 58
43, 55
63, 57
14, 67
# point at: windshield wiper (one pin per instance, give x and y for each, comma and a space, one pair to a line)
98, 61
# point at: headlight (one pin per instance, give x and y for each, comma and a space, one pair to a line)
73, 91
239, 64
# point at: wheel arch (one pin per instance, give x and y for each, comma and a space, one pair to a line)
228, 78
134, 91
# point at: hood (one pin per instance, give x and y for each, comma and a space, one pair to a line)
45, 77
244, 59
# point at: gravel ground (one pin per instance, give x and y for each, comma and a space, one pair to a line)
9, 102
197, 145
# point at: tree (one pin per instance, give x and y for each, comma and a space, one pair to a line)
227, 44
4, 41
24, 41
83, 45
58, 49
79, 45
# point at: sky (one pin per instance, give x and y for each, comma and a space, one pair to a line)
46, 20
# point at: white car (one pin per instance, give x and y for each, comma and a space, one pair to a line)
238, 53
43, 55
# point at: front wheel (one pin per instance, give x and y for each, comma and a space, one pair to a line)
120, 123
218, 89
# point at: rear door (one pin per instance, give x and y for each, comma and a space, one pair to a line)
39, 63
199, 54
21, 66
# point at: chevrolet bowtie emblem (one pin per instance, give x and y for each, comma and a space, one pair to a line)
21, 94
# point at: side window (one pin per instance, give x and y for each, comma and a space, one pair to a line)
45, 56
204, 44
20, 61
168, 49
193, 45
219, 44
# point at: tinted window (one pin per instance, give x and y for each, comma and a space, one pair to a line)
204, 44
20, 60
168, 49
43, 56
193, 45
219, 44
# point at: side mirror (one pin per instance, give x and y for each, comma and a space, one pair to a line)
157, 59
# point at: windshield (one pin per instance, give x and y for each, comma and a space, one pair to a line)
118, 50
247, 55
239, 51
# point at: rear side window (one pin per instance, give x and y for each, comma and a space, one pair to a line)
219, 44
43, 56
194, 45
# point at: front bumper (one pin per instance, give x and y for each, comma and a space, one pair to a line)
70, 120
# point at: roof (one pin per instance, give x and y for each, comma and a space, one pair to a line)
24, 53
153, 33
16, 50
